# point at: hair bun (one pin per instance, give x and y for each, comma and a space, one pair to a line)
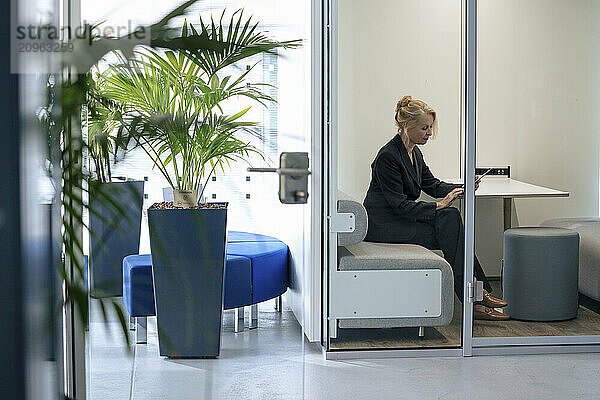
403, 102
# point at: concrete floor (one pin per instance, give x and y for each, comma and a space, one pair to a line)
273, 363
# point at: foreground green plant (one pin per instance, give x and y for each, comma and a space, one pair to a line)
103, 134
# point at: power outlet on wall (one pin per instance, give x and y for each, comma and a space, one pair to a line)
497, 171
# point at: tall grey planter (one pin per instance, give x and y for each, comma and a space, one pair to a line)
114, 234
188, 261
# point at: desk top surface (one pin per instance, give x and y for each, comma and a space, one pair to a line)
494, 187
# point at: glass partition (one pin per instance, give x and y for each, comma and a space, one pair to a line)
260, 337
537, 214
394, 290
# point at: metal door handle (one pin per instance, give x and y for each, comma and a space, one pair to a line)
293, 177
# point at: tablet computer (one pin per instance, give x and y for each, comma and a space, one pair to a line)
482, 175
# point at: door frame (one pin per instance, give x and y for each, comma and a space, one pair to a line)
330, 177
75, 371
470, 346
470, 101
313, 330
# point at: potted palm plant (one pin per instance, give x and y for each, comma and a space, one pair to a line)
175, 111
115, 204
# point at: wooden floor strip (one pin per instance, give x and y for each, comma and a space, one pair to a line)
586, 323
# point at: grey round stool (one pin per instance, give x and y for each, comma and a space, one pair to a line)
540, 273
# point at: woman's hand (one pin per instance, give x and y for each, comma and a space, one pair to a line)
450, 197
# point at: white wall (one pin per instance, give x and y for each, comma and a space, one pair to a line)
538, 97
389, 48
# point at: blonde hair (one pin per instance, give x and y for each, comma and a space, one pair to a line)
408, 111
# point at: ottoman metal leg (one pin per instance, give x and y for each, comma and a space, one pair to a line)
421, 332
279, 304
238, 321
253, 316
132, 323
141, 334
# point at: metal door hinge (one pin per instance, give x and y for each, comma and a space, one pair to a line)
341, 222
475, 291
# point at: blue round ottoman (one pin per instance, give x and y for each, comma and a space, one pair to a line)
540, 273
237, 237
256, 269
269, 262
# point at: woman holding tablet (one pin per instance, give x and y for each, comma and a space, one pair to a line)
398, 174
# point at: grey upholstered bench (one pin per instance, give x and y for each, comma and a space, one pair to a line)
380, 285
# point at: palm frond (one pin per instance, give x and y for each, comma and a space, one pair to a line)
240, 40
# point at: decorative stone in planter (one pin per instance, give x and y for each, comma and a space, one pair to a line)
114, 234
188, 260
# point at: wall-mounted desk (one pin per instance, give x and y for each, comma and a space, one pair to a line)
508, 189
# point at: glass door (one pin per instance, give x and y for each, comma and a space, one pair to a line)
536, 218
388, 291
276, 103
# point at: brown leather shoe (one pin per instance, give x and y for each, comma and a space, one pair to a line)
482, 312
491, 301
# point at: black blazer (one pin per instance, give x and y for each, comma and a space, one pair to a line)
395, 186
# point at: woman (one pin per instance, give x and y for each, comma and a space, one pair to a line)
399, 173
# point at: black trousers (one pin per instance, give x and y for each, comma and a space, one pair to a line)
447, 233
